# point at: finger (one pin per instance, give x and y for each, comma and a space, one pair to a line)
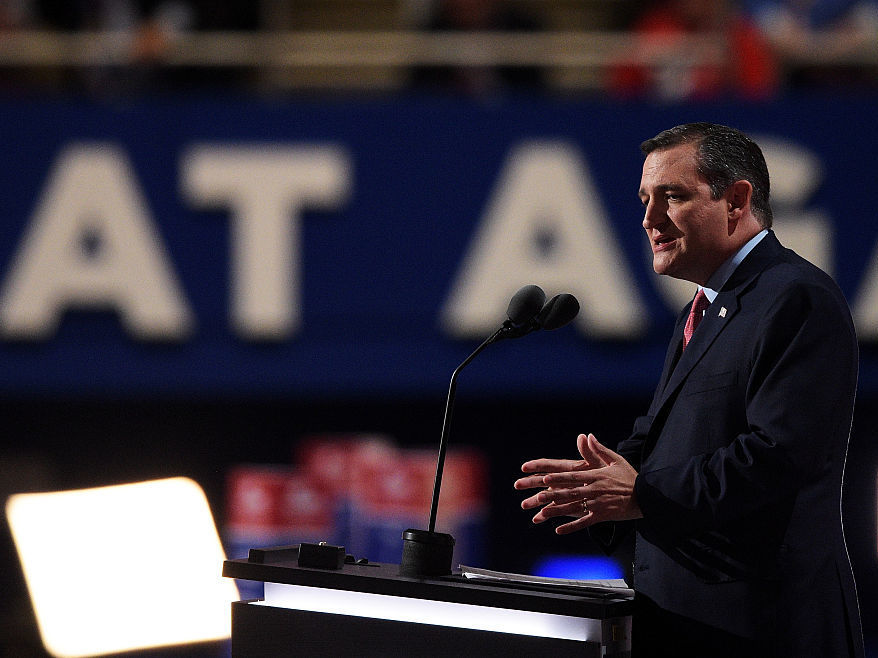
551, 511
532, 502
601, 451
530, 482
567, 480
577, 524
582, 446
592, 451
546, 497
551, 465
562, 496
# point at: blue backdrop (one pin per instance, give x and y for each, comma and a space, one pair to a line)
377, 265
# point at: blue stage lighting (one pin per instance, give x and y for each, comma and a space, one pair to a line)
578, 567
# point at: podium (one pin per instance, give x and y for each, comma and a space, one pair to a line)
369, 609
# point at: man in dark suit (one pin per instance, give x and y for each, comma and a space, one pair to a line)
733, 478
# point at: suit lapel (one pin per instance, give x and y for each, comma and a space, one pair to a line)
674, 350
718, 315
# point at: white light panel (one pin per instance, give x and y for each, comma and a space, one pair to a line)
121, 568
426, 611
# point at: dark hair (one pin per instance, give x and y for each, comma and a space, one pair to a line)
724, 155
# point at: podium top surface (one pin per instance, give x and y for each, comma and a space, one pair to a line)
380, 578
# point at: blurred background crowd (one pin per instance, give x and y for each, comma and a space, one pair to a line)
666, 49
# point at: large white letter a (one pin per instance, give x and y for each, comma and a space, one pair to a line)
545, 225
92, 244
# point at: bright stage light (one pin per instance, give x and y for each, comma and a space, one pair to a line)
124, 567
428, 611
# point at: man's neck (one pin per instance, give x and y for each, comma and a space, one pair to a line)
718, 279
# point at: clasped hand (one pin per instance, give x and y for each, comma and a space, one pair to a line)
598, 487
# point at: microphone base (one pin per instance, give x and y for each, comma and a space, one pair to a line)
426, 553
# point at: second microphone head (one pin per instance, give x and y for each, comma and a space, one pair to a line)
558, 311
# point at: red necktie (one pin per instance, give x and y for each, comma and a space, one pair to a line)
699, 305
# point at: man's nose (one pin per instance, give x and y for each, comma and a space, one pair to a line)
653, 216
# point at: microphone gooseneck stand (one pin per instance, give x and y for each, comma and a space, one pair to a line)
428, 553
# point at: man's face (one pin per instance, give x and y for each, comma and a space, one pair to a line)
687, 229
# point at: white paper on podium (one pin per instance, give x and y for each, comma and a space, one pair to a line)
615, 586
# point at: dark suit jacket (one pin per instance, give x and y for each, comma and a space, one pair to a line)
740, 463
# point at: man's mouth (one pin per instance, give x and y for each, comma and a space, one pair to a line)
662, 242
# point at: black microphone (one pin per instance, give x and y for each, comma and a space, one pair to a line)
558, 311
554, 314
523, 309
525, 305
429, 553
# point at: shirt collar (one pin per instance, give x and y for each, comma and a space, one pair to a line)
718, 279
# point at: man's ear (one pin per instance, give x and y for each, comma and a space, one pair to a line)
738, 197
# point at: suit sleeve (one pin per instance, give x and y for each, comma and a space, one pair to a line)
800, 370
632, 447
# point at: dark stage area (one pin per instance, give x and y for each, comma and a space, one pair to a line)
64, 443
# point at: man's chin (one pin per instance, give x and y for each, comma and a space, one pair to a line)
663, 268
668, 270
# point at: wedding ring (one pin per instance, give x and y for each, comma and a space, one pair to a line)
585, 505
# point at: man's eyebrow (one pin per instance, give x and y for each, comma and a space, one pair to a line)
663, 187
